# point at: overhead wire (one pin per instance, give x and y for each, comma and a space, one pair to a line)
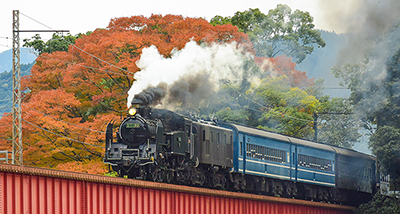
270, 109
68, 138
5, 124
85, 66
35, 20
110, 64
6, 107
69, 130
5, 37
102, 132
6, 100
99, 58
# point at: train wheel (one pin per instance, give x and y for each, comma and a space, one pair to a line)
153, 174
160, 175
169, 176
223, 181
202, 178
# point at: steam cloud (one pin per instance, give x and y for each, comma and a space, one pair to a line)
189, 76
373, 26
365, 20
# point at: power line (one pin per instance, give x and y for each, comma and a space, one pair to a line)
85, 66
99, 58
7, 107
82, 49
6, 100
69, 130
7, 46
36, 21
333, 88
5, 37
64, 121
269, 108
77, 141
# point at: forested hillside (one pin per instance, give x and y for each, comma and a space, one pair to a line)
27, 56
6, 87
319, 63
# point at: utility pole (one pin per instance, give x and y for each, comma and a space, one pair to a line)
16, 107
316, 123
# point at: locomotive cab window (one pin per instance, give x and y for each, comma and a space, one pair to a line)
188, 130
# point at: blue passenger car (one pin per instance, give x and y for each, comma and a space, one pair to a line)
267, 154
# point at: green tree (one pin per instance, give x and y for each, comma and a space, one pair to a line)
381, 204
288, 110
385, 144
270, 103
280, 32
58, 42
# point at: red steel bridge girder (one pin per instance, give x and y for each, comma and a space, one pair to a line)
37, 190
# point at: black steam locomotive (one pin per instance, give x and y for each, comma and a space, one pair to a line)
164, 146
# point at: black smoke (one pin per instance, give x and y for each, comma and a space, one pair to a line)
190, 90
152, 95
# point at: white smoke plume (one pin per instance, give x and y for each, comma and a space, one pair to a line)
364, 21
208, 63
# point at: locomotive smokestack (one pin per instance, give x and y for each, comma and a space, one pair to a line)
137, 103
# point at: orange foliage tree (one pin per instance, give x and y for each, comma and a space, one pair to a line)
71, 96
283, 65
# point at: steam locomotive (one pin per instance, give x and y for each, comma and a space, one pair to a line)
164, 146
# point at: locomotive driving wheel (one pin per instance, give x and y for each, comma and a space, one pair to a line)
169, 175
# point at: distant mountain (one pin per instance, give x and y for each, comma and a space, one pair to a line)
6, 87
321, 60
27, 56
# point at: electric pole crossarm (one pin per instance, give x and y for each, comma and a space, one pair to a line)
41, 31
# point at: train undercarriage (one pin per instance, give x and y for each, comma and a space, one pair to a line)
179, 170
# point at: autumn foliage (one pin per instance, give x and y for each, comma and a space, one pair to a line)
71, 96
283, 65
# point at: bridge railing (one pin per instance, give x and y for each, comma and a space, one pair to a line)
5, 156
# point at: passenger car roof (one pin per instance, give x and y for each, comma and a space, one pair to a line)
288, 139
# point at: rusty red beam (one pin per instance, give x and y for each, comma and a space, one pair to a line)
38, 190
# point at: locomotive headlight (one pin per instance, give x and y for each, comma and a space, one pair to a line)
132, 111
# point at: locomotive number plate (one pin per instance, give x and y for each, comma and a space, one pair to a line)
132, 125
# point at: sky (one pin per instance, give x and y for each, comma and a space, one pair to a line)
79, 16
